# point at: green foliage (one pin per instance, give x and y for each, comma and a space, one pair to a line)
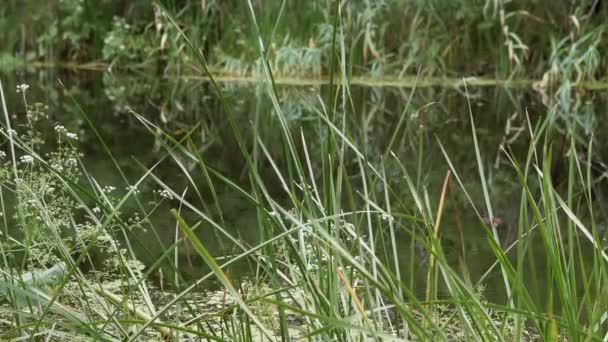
69, 31
43, 182
341, 242
395, 36
43, 206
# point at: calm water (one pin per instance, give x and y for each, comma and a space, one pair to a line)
177, 105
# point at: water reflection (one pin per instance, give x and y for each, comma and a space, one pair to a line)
435, 115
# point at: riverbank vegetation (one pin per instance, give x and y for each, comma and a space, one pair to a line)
356, 218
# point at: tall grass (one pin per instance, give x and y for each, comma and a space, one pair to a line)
331, 250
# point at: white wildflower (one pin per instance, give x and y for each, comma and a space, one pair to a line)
72, 162
22, 88
165, 194
12, 132
60, 129
132, 188
27, 159
57, 167
2, 155
71, 135
108, 189
96, 210
306, 230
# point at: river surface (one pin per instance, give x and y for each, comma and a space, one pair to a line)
435, 114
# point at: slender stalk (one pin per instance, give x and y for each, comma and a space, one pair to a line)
435, 238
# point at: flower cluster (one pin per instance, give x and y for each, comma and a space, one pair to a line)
47, 204
62, 131
27, 159
22, 88
108, 189
166, 194
132, 188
